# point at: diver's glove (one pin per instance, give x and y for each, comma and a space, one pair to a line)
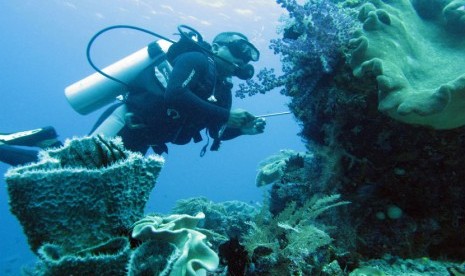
255, 126
239, 118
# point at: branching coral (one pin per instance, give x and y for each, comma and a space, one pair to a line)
310, 48
418, 63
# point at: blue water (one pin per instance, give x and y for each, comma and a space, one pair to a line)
43, 50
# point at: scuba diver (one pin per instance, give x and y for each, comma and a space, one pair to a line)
197, 96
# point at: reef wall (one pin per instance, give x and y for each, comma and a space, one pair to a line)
384, 126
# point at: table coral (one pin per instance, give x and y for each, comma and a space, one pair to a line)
418, 63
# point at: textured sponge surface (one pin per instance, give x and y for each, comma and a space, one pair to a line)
76, 205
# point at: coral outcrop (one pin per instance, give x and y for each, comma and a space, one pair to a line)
82, 194
272, 169
417, 62
404, 182
229, 219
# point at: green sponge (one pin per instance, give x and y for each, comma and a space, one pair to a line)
82, 194
418, 63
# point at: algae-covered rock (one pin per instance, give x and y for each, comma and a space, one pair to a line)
418, 63
82, 194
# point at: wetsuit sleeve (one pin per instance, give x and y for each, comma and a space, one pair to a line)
190, 69
215, 131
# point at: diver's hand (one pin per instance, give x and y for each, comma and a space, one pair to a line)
256, 126
239, 118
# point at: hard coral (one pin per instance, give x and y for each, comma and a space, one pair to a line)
418, 64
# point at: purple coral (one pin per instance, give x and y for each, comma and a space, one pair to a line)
310, 48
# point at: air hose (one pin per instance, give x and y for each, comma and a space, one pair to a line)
91, 41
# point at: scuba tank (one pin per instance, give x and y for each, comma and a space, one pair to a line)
96, 90
114, 81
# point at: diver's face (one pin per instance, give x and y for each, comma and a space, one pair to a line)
227, 67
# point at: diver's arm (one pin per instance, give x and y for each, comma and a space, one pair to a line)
190, 68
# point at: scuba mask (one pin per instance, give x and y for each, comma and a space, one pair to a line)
242, 49
244, 72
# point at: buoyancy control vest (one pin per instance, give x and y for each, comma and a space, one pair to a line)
146, 103
140, 78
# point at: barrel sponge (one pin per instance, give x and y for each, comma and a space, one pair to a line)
191, 255
109, 258
82, 194
418, 62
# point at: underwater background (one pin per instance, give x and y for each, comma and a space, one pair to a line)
365, 178
43, 51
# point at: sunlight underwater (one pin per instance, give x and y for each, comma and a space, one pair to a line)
379, 190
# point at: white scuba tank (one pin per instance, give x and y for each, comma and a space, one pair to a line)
96, 90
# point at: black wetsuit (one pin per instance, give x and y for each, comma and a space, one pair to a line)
195, 99
185, 109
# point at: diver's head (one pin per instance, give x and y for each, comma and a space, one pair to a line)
235, 52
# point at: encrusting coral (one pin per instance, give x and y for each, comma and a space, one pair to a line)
420, 81
82, 194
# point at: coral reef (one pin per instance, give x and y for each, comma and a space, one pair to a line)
227, 219
291, 242
391, 265
234, 256
405, 181
79, 202
82, 194
313, 36
272, 169
420, 81
294, 177
190, 254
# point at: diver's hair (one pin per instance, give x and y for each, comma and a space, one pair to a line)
226, 37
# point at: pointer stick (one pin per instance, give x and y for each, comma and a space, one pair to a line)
274, 114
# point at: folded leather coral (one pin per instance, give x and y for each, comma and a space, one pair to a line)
190, 254
419, 63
